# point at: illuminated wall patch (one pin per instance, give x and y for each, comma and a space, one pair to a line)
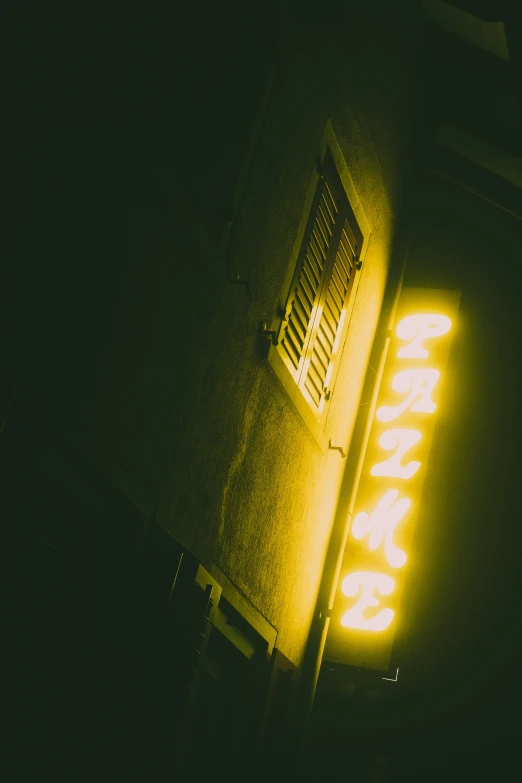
368, 601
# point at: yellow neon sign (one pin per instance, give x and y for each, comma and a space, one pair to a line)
416, 329
418, 385
402, 441
365, 585
380, 526
387, 500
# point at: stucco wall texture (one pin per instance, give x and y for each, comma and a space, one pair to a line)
155, 372
259, 497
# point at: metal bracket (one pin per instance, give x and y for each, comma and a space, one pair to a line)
358, 264
270, 334
324, 613
237, 281
392, 679
337, 448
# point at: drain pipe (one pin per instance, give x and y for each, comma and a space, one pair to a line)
347, 497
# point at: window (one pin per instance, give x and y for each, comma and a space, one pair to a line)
229, 691
310, 336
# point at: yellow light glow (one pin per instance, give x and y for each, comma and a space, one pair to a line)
381, 525
416, 329
367, 606
401, 440
365, 584
418, 385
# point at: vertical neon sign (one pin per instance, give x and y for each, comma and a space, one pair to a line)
367, 606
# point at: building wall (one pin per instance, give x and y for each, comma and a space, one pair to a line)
123, 312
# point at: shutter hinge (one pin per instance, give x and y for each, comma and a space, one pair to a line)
327, 393
324, 613
266, 338
239, 281
358, 263
270, 334
337, 448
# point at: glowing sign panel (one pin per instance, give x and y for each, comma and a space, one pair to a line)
367, 605
416, 329
418, 385
381, 524
402, 441
364, 585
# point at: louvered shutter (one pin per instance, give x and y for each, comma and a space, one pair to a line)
308, 282
318, 369
321, 290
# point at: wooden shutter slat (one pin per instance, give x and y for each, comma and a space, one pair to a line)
308, 290
300, 308
311, 269
328, 328
330, 194
324, 222
329, 205
293, 352
314, 385
321, 358
303, 308
328, 325
310, 279
295, 333
336, 295
347, 257
296, 325
343, 267
315, 258
324, 341
322, 231
319, 241
335, 300
348, 253
327, 216
321, 288
350, 237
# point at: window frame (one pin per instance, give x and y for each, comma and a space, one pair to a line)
331, 161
